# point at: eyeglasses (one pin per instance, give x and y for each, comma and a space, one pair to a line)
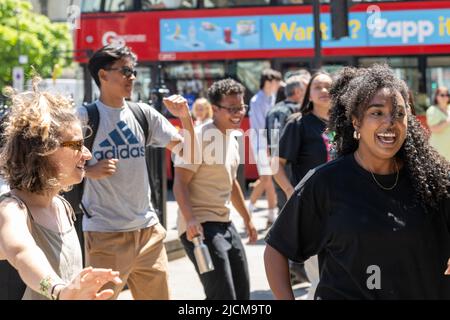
126, 71
444, 95
76, 145
234, 110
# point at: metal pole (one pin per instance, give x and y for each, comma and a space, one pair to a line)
87, 80
156, 157
317, 36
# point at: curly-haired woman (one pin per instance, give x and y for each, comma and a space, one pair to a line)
43, 154
378, 216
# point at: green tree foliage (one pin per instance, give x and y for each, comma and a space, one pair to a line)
45, 43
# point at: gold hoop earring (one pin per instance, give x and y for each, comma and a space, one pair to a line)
356, 135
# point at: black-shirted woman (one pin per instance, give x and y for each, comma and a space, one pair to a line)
378, 216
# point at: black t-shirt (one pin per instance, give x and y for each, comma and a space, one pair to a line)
304, 145
372, 243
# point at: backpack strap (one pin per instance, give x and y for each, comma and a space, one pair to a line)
142, 120
140, 117
93, 123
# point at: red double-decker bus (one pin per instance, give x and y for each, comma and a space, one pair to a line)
191, 43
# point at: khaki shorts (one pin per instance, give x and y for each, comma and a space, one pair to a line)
138, 255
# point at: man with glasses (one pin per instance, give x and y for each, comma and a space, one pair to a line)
121, 228
204, 191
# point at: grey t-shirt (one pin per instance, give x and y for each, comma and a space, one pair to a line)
122, 202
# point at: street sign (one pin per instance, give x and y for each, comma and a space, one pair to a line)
18, 78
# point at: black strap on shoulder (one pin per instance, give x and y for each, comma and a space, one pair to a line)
93, 121
149, 154
140, 117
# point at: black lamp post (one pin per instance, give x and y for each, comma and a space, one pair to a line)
317, 36
156, 157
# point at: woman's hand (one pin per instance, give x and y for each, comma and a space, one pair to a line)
87, 284
251, 232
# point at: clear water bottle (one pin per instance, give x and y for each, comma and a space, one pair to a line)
202, 255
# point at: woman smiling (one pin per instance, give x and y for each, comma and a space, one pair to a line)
43, 154
379, 215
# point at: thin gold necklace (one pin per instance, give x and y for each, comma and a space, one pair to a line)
376, 181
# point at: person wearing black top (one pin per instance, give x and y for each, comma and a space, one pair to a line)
304, 145
378, 216
276, 120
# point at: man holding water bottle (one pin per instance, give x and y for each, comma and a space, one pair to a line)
205, 191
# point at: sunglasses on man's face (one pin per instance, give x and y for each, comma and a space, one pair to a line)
126, 71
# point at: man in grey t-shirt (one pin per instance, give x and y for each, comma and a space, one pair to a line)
121, 227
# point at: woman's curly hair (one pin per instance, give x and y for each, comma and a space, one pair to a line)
351, 93
32, 131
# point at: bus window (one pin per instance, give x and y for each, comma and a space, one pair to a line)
292, 1
325, 1
91, 6
406, 68
234, 3
119, 5
168, 4
249, 72
438, 74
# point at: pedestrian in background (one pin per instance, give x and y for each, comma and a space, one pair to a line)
304, 145
438, 120
204, 191
379, 215
202, 112
42, 155
260, 104
276, 120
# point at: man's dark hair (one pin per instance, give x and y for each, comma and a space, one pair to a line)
222, 88
106, 57
269, 75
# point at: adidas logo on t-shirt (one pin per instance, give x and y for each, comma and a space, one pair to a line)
119, 145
